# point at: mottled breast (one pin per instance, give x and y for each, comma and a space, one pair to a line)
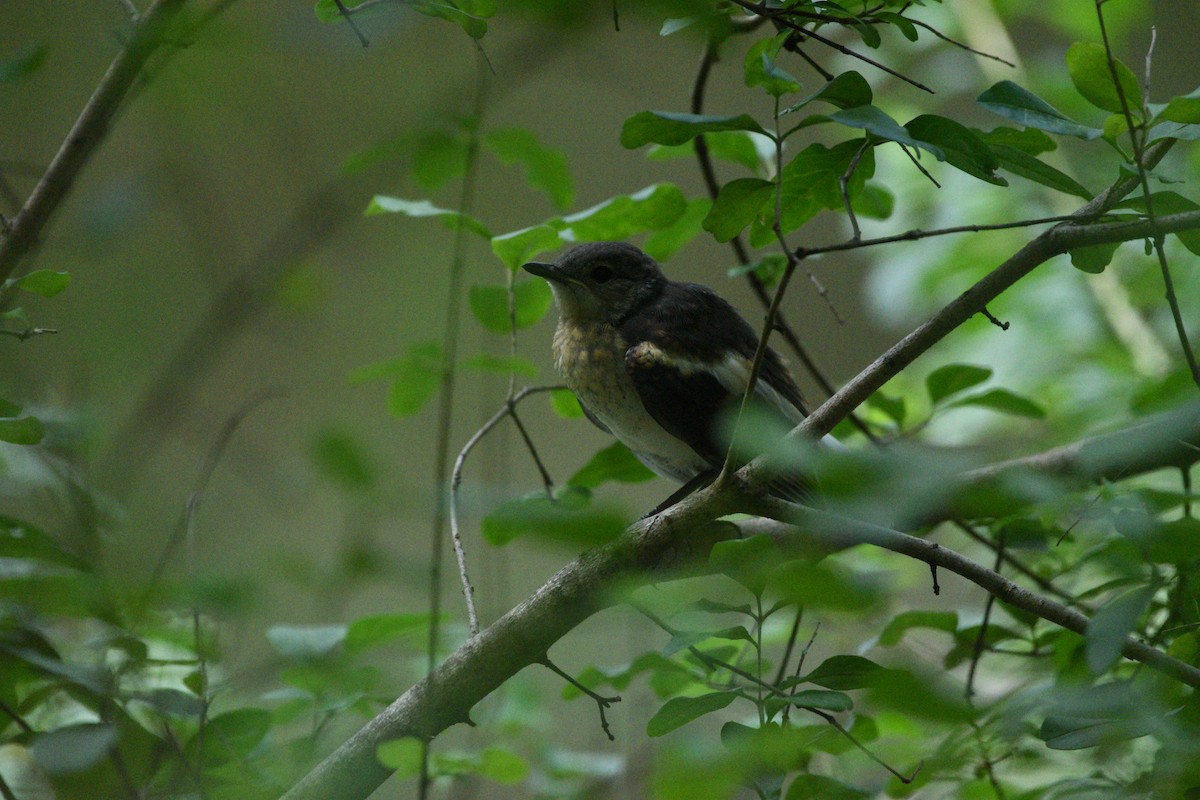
591, 358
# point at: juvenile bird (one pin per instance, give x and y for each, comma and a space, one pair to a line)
655, 362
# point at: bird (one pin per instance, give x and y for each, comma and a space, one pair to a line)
660, 363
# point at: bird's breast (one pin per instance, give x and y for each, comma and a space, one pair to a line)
591, 359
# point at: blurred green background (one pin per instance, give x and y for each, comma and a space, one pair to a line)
218, 250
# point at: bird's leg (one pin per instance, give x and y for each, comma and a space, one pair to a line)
699, 482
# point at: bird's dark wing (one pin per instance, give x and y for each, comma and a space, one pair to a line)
690, 359
686, 402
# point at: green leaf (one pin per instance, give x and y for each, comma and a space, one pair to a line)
230, 737
878, 123
382, 204
503, 766
748, 561
20, 540
501, 365
416, 377
905, 26
679, 711
518, 247
738, 147
25, 64
470, 15
1025, 108
367, 632
666, 242
342, 459
954, 378
822, 585
676, 24
566, 404
1027, 140
1005, 402
846, 672
738, 204
1093, 258
613, 463
306, 641
1111, 625
1184, 108
892, 407
401, 755
848, 90
419, 380
1103, 714
620, 217
1022, 163
812, 182
667, 127
434, 157
818, 787
906, 621
1169, 202
531, 298
21, 430
760, 68
1088, 65
873, 202
44, 282
962, 146
682, 640
822, 698
73, 748
570, 518
545, 167
769, 269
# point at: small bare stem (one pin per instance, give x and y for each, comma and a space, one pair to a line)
602, 702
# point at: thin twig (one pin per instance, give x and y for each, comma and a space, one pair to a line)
780, 16
1011, 560
917, 163
708, 171
983, 626
85, 135
602, 702
791, 643
760, 351
844, 183
1137, 140
456, 482
216, 452
990, 317
917, 233
345, 12
957, 43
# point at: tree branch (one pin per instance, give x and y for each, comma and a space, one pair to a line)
1059, 239
86, 134
658, 547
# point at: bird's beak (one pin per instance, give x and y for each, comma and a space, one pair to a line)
544, 270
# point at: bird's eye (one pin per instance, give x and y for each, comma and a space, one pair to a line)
601, 274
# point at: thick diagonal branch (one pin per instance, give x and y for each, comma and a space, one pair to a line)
680, 538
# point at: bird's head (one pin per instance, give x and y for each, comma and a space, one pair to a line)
601, 281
